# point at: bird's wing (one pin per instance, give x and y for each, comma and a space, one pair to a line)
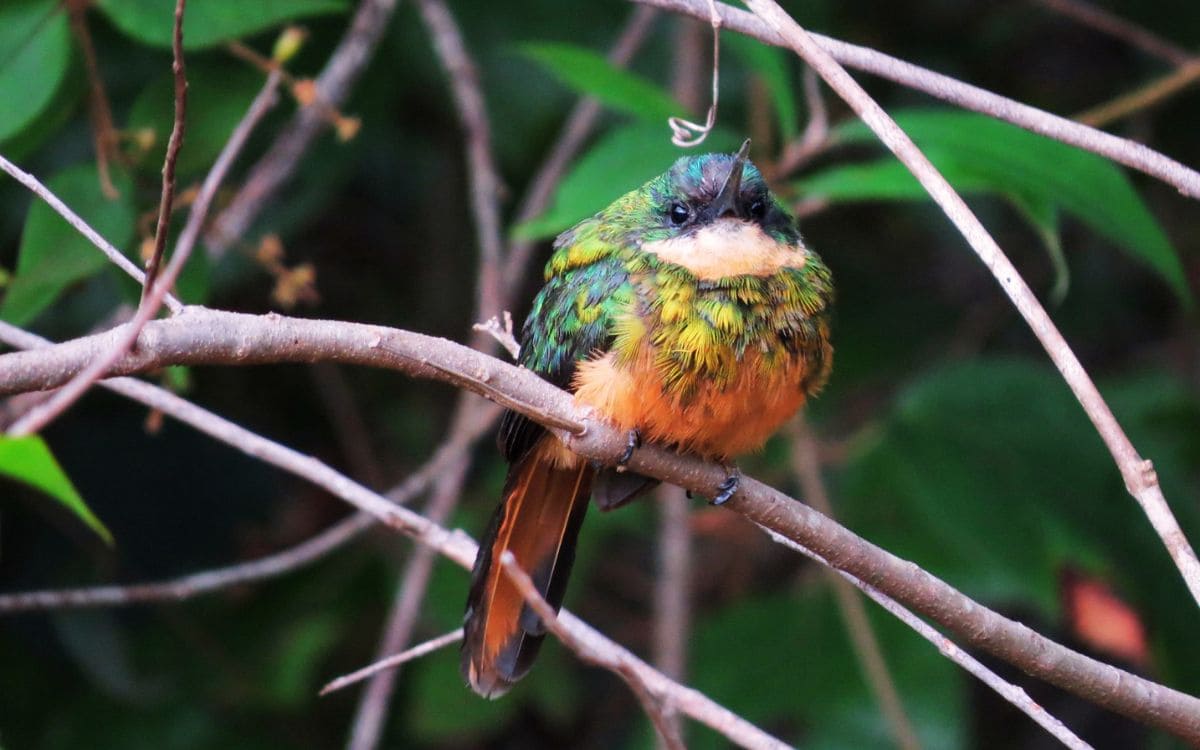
571, 320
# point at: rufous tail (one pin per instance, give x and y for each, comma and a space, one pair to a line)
538, 521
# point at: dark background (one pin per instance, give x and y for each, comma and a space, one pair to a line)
949, 438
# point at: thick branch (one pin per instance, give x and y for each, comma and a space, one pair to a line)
200, 336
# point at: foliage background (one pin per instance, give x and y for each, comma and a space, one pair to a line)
950, 439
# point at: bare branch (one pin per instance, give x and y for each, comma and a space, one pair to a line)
574, 132
276, 167
1139, 476
153, 297
416, 652
1142, 98
485, 180
201, 336
1010, 692
81, 226
1123, 151
806, 463
1115, 26
673, 591
652, 688
196, 584
174, 143
502, 333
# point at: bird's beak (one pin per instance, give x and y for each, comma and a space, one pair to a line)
726, 202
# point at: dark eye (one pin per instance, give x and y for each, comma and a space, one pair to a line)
758, 209
679, 214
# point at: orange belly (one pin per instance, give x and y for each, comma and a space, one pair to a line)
715, 422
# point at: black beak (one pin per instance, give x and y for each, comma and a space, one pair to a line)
727, 202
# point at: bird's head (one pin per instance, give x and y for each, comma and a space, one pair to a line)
714, 215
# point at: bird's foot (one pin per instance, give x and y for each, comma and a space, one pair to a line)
729, 486
633, 442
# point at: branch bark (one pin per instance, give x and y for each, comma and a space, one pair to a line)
200, 336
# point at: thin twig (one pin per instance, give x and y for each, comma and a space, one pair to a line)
815, 137
416, 652
1010, 692
276, 167
104, 133
672, 591
196, 584
200, 336
1140, 479
1144, 97
1123, 151
43, 414
484, 177
806, 463
349, 426
1115, 26
502, 333
490, 299
167, 198
570, 139
652, 688
113, 254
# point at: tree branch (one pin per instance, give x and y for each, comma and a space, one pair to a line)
155, 294
76, 221
1139, 476
1123, 151
200, 336
276, 167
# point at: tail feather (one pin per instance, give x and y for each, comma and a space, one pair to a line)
538, 521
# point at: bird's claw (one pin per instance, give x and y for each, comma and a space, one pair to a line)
728, 487
633, 443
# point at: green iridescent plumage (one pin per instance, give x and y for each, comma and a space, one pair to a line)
605, 293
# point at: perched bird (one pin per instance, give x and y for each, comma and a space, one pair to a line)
689, 313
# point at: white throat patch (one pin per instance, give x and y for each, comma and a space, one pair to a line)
728, 247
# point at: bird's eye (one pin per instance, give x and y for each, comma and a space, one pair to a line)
758, 209
679, 214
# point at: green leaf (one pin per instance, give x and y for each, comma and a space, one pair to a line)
218, 96
35, 51
983, 474
54, 255
589, 73
622, 160
209, 22
980, 154
785, 660
293, 680
772, 64
29, 460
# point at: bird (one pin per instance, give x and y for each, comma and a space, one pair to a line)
688, 313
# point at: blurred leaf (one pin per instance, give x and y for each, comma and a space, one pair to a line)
294, 679
621, 161
35, 51
980, 154
218, 96
589, 73
209, 22
1043, 217
29, 460
978, 475
786, 660
54, 255
772, 64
